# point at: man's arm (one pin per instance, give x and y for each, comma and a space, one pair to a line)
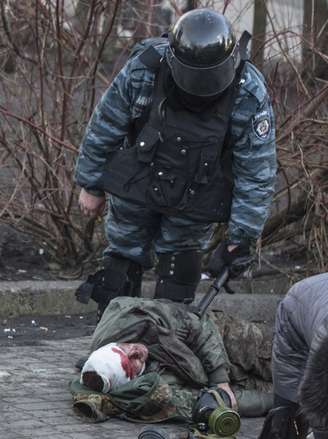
254, 159
210, 349
105, 132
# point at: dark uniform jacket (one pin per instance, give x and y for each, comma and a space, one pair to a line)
252, 138
301, 326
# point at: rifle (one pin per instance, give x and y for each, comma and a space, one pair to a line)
216, 287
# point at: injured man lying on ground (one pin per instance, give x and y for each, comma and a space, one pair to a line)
156, 360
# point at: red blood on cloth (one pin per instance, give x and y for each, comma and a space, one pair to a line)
125, 362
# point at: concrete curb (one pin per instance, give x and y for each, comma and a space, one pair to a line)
57, 297
40, 298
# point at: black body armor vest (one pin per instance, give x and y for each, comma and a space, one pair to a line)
180, 162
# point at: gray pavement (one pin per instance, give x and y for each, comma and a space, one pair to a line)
35, 401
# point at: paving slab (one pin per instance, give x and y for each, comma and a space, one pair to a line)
35, 401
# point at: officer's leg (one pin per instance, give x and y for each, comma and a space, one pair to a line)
130, 230
121, 277
179, 248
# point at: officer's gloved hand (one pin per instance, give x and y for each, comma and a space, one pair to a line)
237, 260
280, 423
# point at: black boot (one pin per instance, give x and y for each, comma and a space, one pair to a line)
119, 277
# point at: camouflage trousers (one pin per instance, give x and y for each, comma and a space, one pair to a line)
248, 345
137, 233
149, 398
155, 398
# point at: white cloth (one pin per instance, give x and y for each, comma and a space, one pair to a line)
108, 365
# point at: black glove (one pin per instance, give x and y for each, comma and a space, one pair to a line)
237, 260
279, 423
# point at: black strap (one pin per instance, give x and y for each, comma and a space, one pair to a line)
151, 58
243, 43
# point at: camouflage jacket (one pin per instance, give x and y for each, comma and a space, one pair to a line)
168, 390
178, 341
252, 134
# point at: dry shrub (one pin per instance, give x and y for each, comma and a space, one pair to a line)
54, 68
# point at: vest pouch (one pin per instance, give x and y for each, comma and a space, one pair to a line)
146, 144
207, 161
167, 189
126, 177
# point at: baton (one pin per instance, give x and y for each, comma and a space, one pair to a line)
213, 291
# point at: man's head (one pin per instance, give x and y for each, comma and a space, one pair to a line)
202, 55
113, 365
314, 388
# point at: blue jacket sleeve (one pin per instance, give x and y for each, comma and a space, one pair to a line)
254, 158
106, 130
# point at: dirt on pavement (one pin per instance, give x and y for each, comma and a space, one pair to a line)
31, 330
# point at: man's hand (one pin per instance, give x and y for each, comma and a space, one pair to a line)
236, 257
91, 205
227, 389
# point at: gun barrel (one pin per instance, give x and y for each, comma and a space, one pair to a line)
213, 292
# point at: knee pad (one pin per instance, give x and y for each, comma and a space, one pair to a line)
122, 277
119, 277
178, 275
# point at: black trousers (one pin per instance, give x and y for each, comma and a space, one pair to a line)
294, 408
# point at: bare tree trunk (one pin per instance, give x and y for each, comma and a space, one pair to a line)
259, 29
315, 30
190, 5
307, 55
321, 38
81, 14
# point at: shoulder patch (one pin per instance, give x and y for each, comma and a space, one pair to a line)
262, 125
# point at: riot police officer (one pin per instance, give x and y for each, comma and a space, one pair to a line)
183, 138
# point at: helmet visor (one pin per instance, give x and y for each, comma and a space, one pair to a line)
203, 81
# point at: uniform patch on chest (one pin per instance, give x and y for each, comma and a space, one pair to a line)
262, 125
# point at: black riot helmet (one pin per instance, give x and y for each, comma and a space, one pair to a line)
203, 54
